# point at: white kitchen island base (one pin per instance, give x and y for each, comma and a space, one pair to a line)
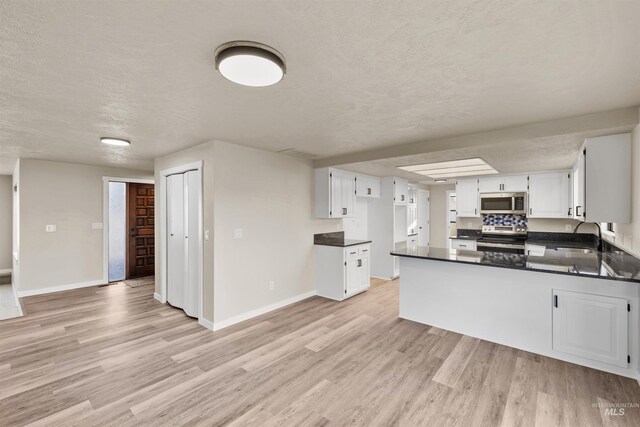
528, 310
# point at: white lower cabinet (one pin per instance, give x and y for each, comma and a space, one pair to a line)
342, 272
591, 326
464, 244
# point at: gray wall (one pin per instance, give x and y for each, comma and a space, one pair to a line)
6, 219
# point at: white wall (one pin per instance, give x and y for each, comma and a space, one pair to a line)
69, 196
270, 197
6, 219
356, 227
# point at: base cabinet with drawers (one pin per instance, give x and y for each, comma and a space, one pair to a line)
464, 244
342, 272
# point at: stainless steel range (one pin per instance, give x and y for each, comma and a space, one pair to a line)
501, 238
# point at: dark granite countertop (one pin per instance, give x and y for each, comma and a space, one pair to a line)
612, 263
336, 239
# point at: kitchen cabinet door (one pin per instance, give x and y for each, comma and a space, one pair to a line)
365, 277
591, 326
549, 195
352, 276
412, 219
515, 183
490, 185
400, 191
348, 195
412, 193
467, 197
578, 187
367, 186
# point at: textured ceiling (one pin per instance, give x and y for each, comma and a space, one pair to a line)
361, 74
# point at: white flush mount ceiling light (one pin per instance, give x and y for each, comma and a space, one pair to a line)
115, 141
250, 63
453, 168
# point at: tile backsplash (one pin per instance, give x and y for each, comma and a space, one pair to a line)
504, 219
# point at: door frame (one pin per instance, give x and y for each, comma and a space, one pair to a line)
105, 217
419, 194
162, 231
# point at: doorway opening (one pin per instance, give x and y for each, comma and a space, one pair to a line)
129, 231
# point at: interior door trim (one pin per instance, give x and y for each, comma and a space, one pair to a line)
161, 220
105, 217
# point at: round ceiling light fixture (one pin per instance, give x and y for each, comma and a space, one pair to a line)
250, 63
115, 141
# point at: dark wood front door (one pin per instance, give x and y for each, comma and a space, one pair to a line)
141, 253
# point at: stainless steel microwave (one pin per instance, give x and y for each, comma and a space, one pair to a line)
503, 203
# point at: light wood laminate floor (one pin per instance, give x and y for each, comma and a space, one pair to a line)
114, 356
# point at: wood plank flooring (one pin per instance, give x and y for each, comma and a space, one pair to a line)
114, 356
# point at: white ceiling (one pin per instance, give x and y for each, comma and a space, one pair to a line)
361, 74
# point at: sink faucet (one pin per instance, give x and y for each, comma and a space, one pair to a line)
599, 247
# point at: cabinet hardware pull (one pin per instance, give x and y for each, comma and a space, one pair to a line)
344, 211
352, 253
555, 301
359, 263
570, 211
577, 210
365, 250
530, 211
368, 191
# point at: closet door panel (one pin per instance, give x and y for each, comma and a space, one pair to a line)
176, 248
193, 209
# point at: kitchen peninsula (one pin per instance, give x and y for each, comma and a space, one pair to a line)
569, 302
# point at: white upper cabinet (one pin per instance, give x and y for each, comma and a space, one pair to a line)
603, 180
367, 186
515, 183
334, 193
400, 191
496, 184
490, 184
549, 195
412, 197
467, 199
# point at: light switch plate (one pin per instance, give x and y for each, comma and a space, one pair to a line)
237, 233
50, 228
206, 234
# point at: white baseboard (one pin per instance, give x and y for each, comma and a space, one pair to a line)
262, 310
52, 289
5, 271
206, 323
157, 297
17, 301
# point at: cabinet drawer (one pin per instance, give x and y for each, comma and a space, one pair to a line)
470, 245
351, 253
364, 250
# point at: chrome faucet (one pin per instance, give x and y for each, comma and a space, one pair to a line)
599, 247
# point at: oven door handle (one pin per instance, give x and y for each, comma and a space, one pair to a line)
499, 245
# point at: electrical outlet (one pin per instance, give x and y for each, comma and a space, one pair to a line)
50, 228
469, 225
237, 233
567, 227
272, 285
96, 226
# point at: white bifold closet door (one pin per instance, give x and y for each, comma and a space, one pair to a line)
183, 247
